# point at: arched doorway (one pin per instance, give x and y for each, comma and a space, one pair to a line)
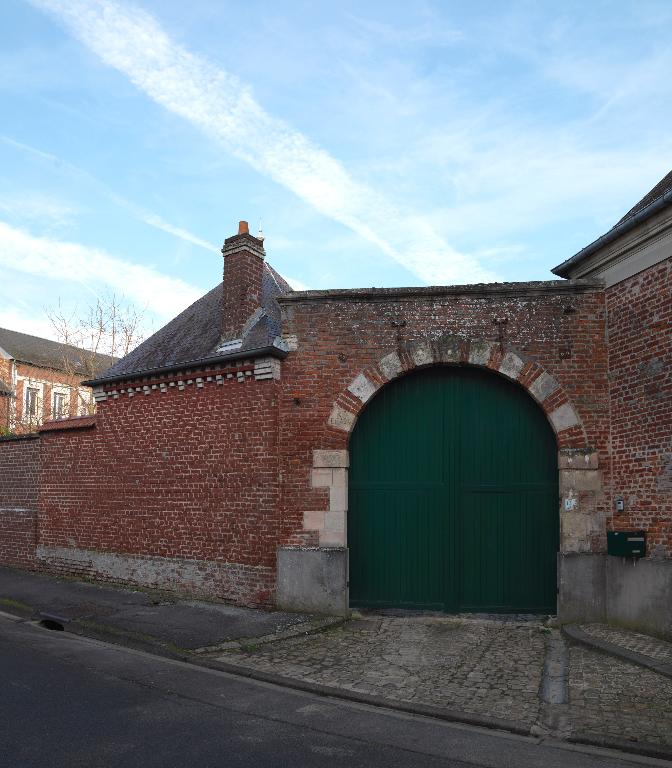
453, 496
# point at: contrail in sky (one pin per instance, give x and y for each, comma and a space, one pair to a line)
218, 103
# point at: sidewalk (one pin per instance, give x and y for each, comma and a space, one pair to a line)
589, 684
144, 619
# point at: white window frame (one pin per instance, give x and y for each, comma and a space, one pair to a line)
38, 387
84, 401
64, 392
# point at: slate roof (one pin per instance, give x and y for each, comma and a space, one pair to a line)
659, 190
195, 334
45, 353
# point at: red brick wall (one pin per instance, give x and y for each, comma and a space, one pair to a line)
563, 330
19, 475
640, 364
189, 474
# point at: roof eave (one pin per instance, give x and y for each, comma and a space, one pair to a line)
271, 351
564, 269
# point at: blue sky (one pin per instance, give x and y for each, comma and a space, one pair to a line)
380, 143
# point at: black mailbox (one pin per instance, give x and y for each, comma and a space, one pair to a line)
626, 543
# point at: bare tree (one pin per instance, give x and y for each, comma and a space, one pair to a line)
110, 328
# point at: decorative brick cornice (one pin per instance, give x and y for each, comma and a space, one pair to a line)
257, 369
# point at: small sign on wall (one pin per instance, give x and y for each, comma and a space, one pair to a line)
571, 503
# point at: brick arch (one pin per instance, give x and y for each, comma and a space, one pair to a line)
533, 377
580, 480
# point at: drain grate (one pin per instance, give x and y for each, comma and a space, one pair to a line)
53, 622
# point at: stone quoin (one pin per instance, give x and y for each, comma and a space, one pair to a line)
218, 461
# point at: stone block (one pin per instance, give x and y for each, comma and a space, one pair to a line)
338, 497
511, 365
339, 478
573, 458
543, 386
362, 388
313, 580
638, 594
390, 366
564, 417
341, 419
332, 538
313, 520
422, 354
572, 480
582, 588
479, 352
331, 459
334, 521
321, 478
447, 350
574, 531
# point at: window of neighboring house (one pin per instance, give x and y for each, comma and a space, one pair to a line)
60, 405
84, 402
31, 411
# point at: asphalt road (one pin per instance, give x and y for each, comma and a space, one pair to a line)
71, 701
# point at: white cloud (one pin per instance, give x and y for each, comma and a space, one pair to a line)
93, 268
38, 207
27, 210
215, 101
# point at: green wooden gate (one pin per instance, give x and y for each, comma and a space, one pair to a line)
453, 501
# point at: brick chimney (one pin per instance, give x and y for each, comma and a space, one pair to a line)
243, 271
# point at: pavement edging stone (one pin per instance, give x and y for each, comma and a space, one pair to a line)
576, 634
306, 628
425, 710
643, 748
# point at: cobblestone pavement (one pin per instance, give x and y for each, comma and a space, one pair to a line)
613, 697
660, 650
492, 667
485, 667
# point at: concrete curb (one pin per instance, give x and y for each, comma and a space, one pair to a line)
643, 748
576, 634
425, 710
298, 630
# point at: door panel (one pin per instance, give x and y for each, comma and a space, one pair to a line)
453, 496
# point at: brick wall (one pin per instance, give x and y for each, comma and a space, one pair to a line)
19, 475
640, 364
181, 483
560, 328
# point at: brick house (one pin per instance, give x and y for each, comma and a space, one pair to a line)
452, 447
41, 380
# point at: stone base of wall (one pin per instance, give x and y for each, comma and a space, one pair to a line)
639, 594
629, 593
18, 537
581, 588
313, 579
240, 584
